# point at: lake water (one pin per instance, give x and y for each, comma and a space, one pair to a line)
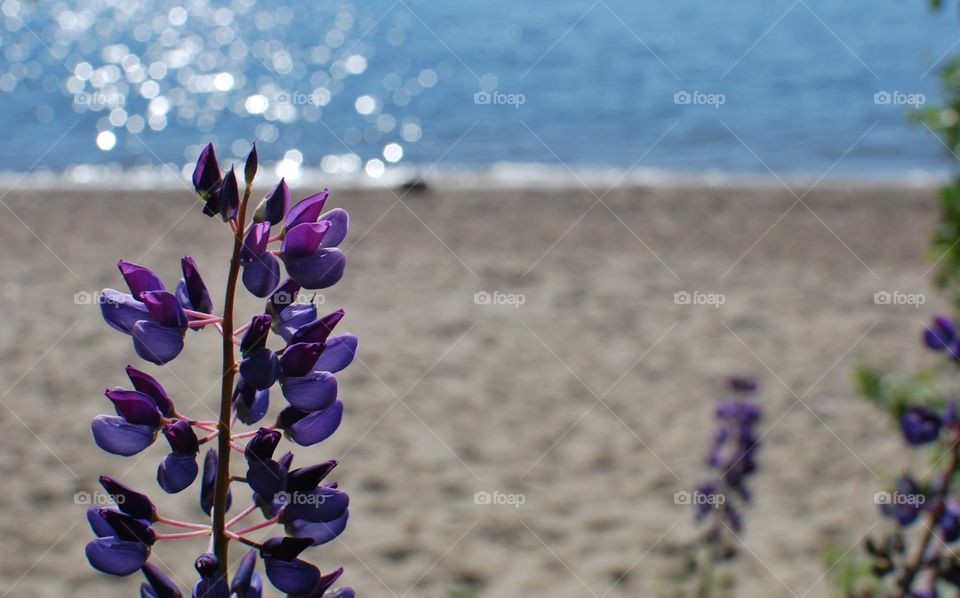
338, 88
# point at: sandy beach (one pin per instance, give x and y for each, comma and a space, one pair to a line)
582, 391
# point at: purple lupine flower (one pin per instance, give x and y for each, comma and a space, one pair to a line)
179, 468
310, 242
191, 290
920, 425
941, 335
261, 269
310, 511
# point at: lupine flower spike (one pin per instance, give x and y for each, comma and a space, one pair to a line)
288, 344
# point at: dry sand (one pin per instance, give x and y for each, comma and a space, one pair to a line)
592, 399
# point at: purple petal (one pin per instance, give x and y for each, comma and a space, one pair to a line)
131, 502
324, 584
298, 359
266, 478
121, 311
313, 392
277, 202
165, 309
293, 317
208, 482
229, 196
308, 478
304, 239
262, 275
243, 578
306, 210
157, 344
318, 271
251, 164
260, 368
177, 471
97, 518
116, 557
256, 335
338, 353
920, 425
323, 504
318, 330
119, 437
293, 577
149, 386
126, 527
307, 429
160, 584
206, 175
255, 242
320, 532
139, 279
196, 291
181, 437
339, 224
250, 404
135, 407
262, 445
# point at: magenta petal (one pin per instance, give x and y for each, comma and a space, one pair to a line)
277, 203
121, 311
339, 224
306, 210
195, 289
206, 175
116, 557
139, 279
318, 271
338, 353
313, 392
229, 196
298, 359
157, 344
304, 239
255, 242
119, 437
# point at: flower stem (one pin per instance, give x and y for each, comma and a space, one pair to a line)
241, 515
176, 523
220, 539
196, 534
260, 525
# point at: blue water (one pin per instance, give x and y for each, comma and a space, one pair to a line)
341, 87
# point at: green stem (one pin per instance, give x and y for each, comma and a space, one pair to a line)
220, 537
